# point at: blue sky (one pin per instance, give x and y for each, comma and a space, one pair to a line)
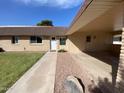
29, 12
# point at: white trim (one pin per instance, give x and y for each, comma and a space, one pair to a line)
117, 42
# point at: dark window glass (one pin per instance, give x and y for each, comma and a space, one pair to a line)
53, 38
117, 38
62, 41
88, 39
15, 39
35, 39
39, 40
120, 38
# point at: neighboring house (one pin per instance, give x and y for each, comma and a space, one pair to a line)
94, 29
32, 38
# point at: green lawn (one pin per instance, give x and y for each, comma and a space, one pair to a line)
13, 65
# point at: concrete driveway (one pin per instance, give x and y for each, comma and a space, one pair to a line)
40, 78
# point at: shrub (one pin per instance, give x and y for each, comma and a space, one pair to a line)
2, 50
62, 50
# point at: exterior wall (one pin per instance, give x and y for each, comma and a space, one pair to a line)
120, 74
75, 42
100, 41
24, 44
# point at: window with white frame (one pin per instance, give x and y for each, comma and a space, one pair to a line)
15, 39
117, 39
35, 39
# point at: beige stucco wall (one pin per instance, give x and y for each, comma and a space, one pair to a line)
24, 44
62, 47
99, 41
101, 27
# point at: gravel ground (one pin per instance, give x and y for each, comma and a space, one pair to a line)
66, 66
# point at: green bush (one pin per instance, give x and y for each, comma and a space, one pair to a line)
62, 50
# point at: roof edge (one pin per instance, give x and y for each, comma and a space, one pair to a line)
16, 26
84, 6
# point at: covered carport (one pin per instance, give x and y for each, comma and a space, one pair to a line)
92, 36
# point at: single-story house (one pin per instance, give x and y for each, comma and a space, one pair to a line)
32, 38
98, 27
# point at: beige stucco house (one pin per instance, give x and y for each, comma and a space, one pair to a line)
32, 38
98, 28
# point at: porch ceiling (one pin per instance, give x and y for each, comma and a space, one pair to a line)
93, 10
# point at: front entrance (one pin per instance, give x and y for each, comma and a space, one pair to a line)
53, 43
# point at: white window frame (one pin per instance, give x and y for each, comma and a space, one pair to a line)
117, 40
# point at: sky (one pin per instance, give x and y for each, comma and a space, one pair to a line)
30, 12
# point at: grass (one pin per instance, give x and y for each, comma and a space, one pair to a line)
13, 65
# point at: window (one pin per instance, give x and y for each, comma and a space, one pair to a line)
88, 39
35, 39
53, 38
117, 39
63, 41
15, 39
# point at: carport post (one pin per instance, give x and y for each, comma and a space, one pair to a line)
120, 74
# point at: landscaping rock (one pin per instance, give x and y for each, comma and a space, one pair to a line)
72, 85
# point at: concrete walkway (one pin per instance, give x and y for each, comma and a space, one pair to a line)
40, 78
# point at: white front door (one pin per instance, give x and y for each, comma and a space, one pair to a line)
53, 43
